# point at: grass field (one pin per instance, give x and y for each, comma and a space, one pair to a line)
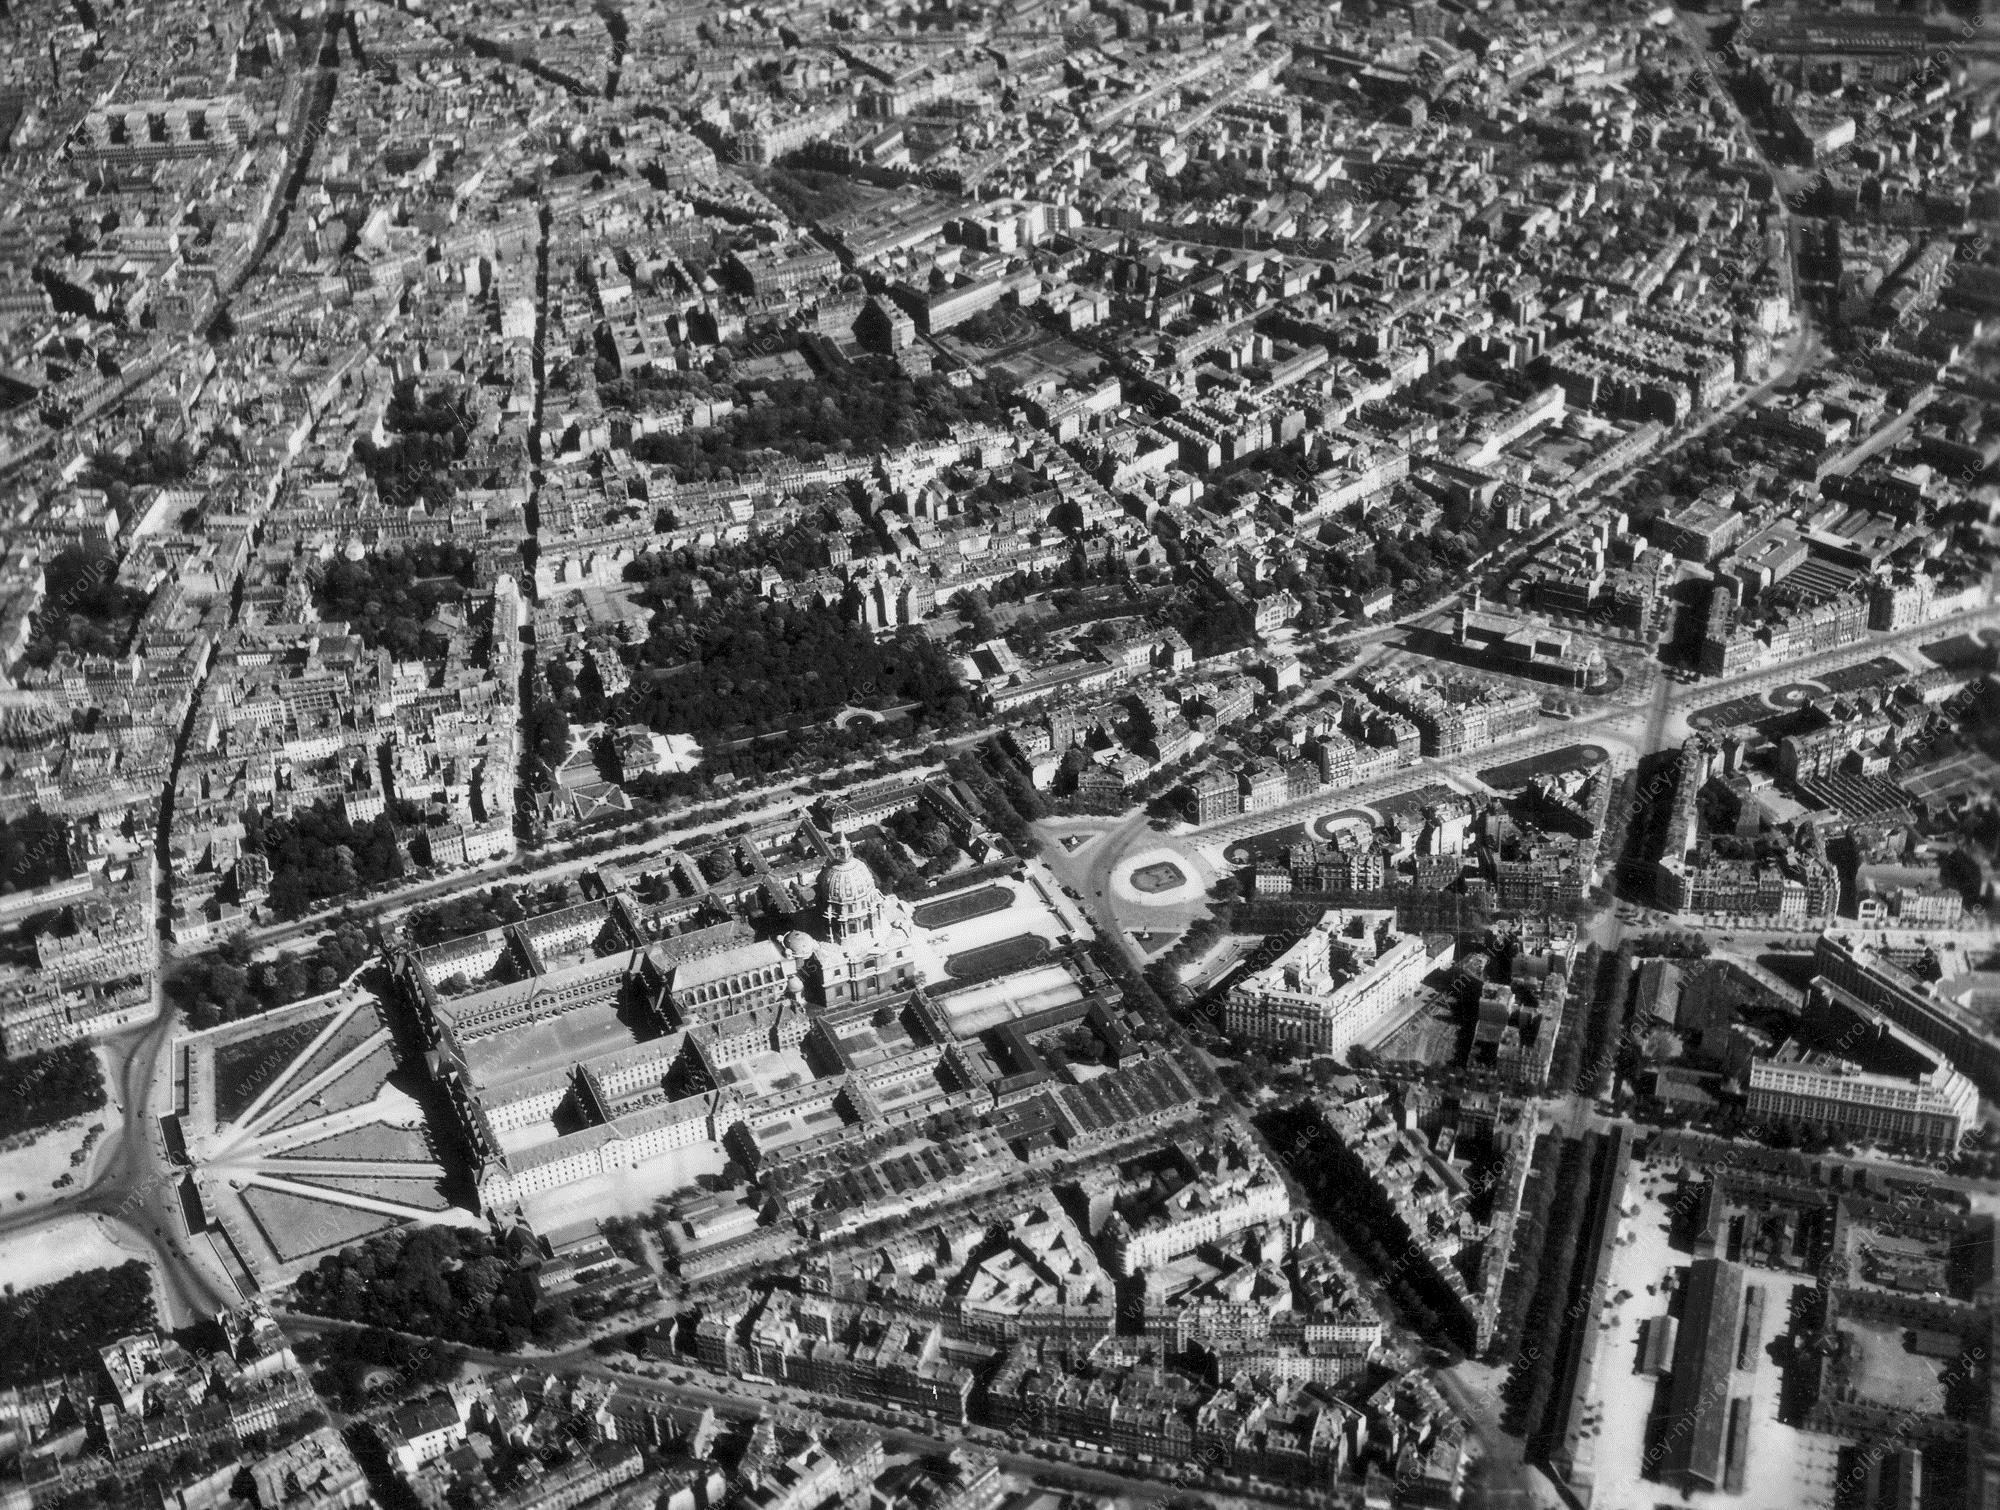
997, 959
423, 1194
376, 1140
296, 1227
245, 1068
362, 1082
1162, 875
351, 1035
965, 904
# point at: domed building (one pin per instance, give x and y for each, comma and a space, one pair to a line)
850, 902
868, 943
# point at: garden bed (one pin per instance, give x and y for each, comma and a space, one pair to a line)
422, 1193
296, 1226
376, 1140
349, 1037
999, 958
966, 905
362, 1083
247, 1067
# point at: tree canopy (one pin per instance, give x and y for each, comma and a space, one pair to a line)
390, 597
59, 1327
224, 985
751, 666
316, 855
50, 1087
434, 1281
84, 608
874, 405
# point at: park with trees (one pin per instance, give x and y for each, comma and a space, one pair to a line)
225, 984
85, 608
448, 1282
317, 855
426, 437
41, 1090
58, 1328
875, 406
390, 598
744, 666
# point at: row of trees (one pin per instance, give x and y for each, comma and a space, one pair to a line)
1165, 970
1544, 1257
1673, 944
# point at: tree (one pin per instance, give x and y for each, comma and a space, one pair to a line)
389, 597
548, 734
59, 1327
85, 608
53, 1086
316, 854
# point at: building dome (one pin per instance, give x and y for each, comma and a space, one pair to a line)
848, 883
849, 899
798, 944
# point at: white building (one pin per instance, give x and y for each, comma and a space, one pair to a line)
1333, 987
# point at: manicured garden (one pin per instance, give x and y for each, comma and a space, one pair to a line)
374, 1140
345, 1040
362, 1082
247, 1067
997, 958
963, 906
425, 1194
296, 1225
